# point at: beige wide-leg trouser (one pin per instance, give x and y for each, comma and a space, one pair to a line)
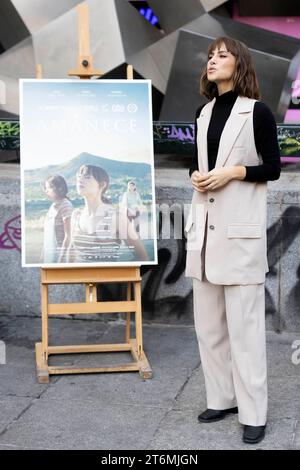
230, 328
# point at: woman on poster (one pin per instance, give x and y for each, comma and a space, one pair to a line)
132, 203
98, 228
236, 153
57, 224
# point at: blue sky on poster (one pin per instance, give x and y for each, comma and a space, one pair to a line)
63, 118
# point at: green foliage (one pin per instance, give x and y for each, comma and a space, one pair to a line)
9, 129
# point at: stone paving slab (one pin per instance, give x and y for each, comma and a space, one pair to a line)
11, 408
296, 443
181, 430
83, 424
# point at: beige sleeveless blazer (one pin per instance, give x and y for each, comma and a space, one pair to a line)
236, 247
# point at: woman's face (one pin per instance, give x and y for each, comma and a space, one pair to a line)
86, 184
50, 192
220, 65
132, 187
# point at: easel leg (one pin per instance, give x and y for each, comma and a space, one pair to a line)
138, 317
45, 320
137, 344
41, 349
128, 314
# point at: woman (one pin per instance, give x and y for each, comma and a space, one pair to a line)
236, 154
98, 228
131, 202
57, 225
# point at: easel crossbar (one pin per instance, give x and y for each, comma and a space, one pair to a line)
92, 307
93, 370
90, 275
91, 348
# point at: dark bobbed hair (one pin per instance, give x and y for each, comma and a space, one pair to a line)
100, 176
58, 184
244, 77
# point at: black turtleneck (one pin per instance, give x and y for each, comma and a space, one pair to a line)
265, 134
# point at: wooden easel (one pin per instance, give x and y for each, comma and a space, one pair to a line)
91, 276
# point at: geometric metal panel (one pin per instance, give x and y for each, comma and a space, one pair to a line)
272, 55
17, 62
37, 13
182, 96
117, 30
212, 4
292, 115
213, 25
12, 27
155, 62
173, 14
269, 8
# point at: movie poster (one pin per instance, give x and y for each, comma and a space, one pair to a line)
87, 173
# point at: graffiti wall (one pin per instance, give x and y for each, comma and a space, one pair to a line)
10, 238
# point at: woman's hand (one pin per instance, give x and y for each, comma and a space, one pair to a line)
196, 179
217, 178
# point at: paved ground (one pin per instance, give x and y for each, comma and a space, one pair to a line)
121, 411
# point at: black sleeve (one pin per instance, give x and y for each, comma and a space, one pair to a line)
195, 166
265, 134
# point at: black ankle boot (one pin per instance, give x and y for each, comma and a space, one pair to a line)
211, 416
253, 434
